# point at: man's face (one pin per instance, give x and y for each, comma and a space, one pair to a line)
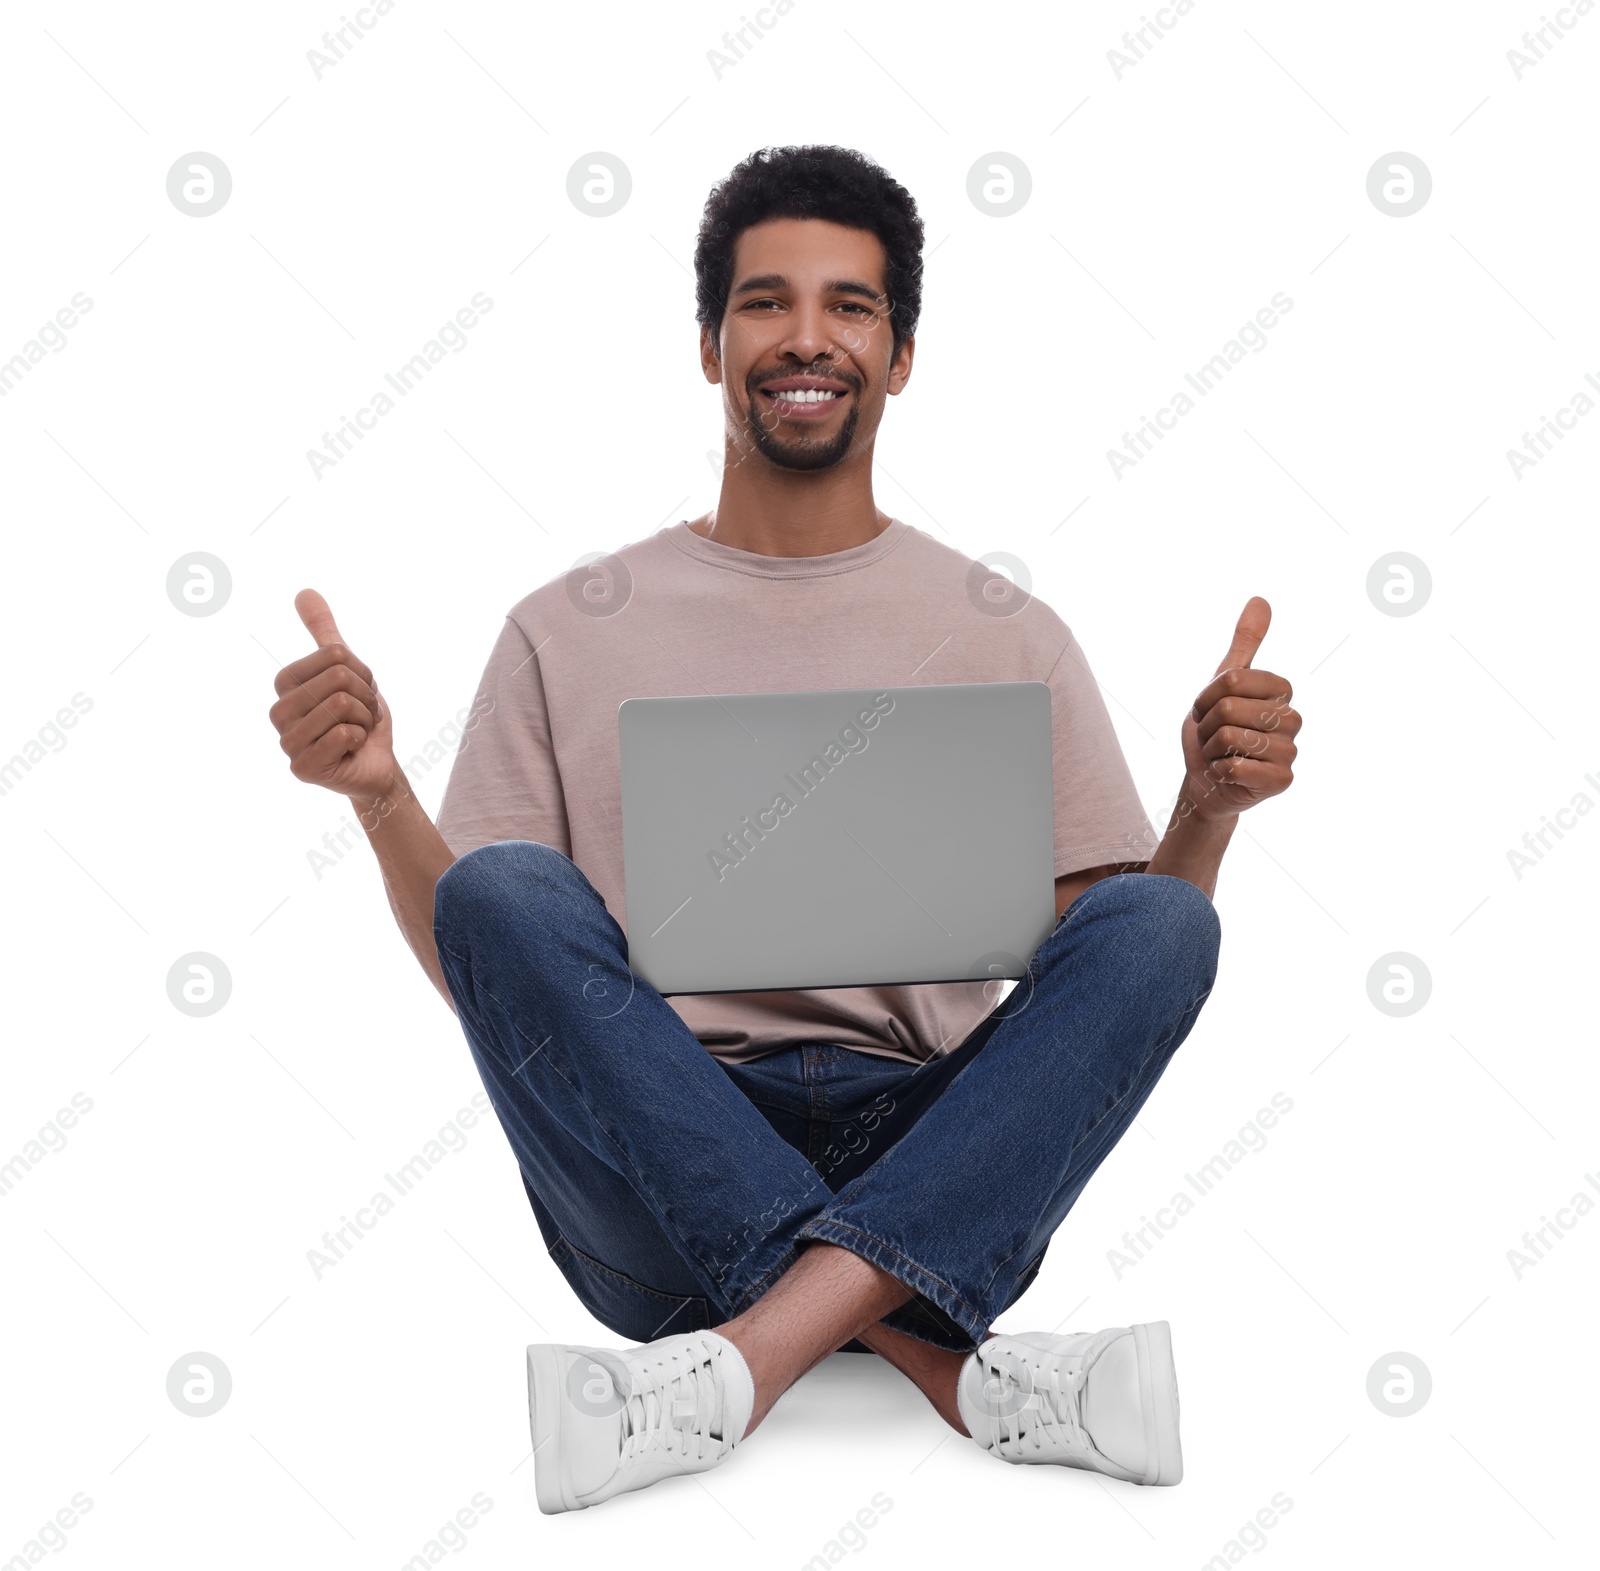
805, 354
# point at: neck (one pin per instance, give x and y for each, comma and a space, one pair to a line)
786, 512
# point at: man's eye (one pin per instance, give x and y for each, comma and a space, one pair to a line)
855, 305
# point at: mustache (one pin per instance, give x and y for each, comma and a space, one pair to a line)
826, 373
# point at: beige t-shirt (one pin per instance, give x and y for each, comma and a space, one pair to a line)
678, 614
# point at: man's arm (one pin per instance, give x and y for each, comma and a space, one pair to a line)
339, 733
1238, 749
411, 855
1191, 848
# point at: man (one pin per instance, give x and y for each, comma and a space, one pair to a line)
869, 1168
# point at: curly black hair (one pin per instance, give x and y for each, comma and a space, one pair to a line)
835, 183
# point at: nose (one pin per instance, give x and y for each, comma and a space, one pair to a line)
811, 336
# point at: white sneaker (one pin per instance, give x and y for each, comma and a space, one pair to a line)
1105, 1400
606, 1421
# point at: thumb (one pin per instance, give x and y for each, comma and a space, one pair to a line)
318, 618
1247, 634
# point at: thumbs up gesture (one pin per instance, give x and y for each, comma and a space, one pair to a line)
1238, 738
330, 720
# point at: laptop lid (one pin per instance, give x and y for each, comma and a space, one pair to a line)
838, 838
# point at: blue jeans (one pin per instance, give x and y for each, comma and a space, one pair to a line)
672, 1189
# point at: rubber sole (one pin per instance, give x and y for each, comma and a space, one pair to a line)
544, 1423
1158, 1395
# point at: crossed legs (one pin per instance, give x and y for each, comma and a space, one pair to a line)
586, 1064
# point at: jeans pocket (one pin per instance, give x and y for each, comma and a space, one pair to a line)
632, 1310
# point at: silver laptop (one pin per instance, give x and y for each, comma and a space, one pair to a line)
842, 838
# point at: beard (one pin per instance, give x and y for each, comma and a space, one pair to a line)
804, 450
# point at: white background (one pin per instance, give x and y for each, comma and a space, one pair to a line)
1167, 207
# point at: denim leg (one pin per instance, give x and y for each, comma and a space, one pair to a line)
628, 1132
828, 1102
961, 1205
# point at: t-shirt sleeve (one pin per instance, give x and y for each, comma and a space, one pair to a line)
504, 783
1098, 815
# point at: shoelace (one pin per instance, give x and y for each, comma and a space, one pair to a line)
675, 1400
1044, 1408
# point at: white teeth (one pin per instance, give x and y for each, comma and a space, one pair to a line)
807, 396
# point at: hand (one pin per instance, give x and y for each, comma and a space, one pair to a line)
1238, 739
331, 722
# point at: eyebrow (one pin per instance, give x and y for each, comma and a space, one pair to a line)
832, 286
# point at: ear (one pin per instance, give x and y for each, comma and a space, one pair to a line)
900, 367
710, 360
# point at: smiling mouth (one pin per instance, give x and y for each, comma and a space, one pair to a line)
807, 404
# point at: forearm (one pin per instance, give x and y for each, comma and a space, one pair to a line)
411, 855
1192, 847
